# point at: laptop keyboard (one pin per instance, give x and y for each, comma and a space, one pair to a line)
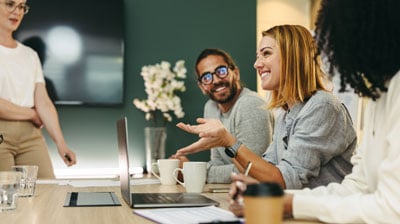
159, 198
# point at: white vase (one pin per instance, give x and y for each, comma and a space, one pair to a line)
155, 138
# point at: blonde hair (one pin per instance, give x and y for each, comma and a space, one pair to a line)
301, 74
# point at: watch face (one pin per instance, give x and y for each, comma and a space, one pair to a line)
229, 152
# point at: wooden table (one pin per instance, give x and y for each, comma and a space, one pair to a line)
46, 207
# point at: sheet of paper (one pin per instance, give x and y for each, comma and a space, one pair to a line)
53, 181
98, 182
209, 214
145, 181
94, 183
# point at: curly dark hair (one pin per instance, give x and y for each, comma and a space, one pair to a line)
361, 39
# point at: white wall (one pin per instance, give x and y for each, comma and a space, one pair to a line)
278, 12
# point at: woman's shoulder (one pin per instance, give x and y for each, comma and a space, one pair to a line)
25, 49
322, 101
324, 97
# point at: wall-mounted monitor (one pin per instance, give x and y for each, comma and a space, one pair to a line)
84, 48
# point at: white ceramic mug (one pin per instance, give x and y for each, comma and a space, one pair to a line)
166, 168
194, 176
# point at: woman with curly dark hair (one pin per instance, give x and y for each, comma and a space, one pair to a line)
361, 41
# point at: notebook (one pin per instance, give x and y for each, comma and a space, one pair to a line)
91, 199
150, 200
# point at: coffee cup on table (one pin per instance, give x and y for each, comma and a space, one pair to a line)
263, 203
194, 176
166, 168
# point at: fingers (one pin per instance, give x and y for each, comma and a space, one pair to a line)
236, 189
40, 126
69, 159
240, 188
181, 158
201, 120
238, 177
183, 126
232, 189
204, 143
205, 127
196, 129
236, 209
188, 128
236, 200
38, 123
193, 148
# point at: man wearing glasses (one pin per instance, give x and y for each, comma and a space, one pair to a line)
241, 110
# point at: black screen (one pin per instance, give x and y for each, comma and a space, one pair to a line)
83, 55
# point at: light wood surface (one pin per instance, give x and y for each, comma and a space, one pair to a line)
46, 207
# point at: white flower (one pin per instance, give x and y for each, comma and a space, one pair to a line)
161, 85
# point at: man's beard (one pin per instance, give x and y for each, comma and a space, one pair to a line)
232, 93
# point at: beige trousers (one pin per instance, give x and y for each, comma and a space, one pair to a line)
21, 143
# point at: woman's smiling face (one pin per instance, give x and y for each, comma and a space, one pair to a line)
268, 64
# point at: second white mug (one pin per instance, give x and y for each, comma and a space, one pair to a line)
194, 176
166, 168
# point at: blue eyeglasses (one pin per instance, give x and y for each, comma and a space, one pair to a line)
208, 77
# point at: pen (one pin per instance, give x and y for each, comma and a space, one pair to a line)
246, 173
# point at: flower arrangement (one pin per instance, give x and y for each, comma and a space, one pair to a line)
161, 85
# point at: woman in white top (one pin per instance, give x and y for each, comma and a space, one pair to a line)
360, 39
25, 106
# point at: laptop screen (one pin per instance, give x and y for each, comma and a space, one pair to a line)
150, 200
124, 178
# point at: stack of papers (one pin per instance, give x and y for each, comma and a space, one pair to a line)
209, 214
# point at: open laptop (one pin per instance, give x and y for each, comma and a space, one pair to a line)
150, 200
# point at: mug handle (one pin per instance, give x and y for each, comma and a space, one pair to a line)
152, 170
175, 174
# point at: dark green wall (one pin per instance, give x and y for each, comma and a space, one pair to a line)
161, 30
